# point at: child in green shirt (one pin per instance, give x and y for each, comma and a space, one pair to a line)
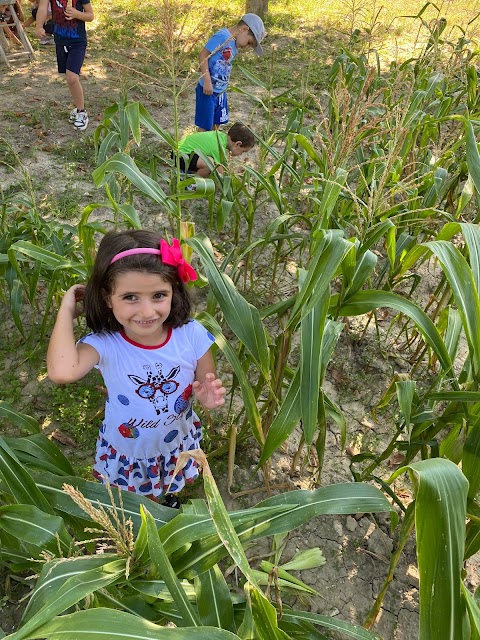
213, 144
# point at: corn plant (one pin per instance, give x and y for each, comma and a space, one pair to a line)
36, 255
451, 400
119, 133
157, 564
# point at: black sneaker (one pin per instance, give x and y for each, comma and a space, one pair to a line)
172, 501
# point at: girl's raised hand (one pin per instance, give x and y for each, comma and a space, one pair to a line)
210, 392
72, 301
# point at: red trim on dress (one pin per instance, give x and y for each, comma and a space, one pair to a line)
144, 346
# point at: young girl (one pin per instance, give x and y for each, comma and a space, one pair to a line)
153, 357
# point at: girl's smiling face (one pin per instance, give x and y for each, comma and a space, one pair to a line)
141, 302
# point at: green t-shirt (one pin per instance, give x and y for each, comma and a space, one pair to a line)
208, 142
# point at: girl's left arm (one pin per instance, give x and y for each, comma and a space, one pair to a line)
209, 390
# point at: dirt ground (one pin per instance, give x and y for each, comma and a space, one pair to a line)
33, 112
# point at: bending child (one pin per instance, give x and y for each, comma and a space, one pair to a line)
216, 58
153, 357
214, 145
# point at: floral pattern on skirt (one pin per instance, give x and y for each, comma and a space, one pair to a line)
146, 476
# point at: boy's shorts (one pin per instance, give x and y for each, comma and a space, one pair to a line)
210, 110
70, 57
192, 166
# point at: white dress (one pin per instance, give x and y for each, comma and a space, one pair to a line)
149, 418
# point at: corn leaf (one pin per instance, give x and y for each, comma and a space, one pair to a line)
405, 394
125, 165
302, 506
21, 420
132, 111
223, 525
214, 601
187, 527
55, 573
51, 486
321, 271
311, 338
440, 512
16, 303
287, 416
26, 522
108, 624
460, 278
471, 233
73, 589
151, 124
365, 301
249, 402
41, 451
162, 566
473, 613
347, 629
473, 156
264, 616
471, 459
18, 482
242, 318
48, 258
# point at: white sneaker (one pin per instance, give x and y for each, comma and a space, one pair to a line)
46, 40
81, 121
72, 116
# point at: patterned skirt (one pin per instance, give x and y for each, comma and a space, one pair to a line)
146, 476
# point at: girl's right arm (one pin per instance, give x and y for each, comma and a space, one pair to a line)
66, 361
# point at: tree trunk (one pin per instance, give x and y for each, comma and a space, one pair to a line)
260, 7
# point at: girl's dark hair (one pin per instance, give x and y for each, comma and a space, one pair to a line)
102, 281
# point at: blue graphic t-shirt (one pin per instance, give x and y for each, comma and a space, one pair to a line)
68, 31
223, 48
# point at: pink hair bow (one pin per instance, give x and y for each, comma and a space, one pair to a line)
172, 255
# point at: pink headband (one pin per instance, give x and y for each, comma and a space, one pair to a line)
171, 255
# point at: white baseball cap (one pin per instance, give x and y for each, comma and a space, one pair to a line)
256, 26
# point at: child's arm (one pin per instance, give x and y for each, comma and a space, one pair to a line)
19, 10
41, 18
208, 389
73, 14
67, 362
207, 81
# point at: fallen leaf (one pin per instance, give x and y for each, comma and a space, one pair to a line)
396, 459
351, 451
63, 438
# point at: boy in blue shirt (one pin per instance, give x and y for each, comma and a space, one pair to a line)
211, 109
69, 17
